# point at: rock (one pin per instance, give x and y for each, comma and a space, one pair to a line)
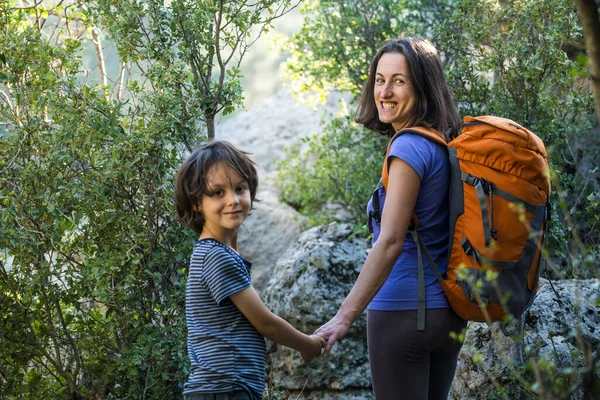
489, 359
267, 233
307, 287
276, 123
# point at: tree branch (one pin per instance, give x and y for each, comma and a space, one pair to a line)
26, 8
120, 81
58, 361
99, 56
78, 361
6, 99
222, 66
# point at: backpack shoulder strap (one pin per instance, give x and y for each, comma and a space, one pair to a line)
436, 137
427, 133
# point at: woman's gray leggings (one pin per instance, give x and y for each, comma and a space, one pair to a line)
408, 364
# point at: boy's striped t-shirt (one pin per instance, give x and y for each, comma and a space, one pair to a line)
225, 351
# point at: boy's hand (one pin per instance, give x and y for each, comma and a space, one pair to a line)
332, 331
317, 343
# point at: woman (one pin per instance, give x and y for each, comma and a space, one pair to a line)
406, 88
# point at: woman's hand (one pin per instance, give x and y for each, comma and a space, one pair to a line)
335, 329
317, 344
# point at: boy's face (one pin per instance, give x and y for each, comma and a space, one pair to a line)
228, 201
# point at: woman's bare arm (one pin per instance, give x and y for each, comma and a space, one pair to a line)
401, 196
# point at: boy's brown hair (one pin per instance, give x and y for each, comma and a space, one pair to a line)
191, 181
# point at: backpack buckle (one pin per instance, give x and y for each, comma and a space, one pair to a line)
372, 216
494, 234
375, 216
487, 187
466, 245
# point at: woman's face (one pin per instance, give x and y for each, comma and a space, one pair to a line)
394, 94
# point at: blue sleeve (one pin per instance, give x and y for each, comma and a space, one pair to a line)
224, 274
415, 150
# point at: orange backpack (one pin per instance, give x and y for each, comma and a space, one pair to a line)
499, 191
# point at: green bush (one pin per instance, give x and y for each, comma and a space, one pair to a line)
336, 175
92, 264
523, 60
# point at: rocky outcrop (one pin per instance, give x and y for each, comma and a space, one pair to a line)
313, 277
276, 123
267, 233
307, 287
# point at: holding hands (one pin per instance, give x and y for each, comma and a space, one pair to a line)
325, 337
317, 344
333, 330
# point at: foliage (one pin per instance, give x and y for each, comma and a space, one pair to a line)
524, 65
335, 46
343, 170
589, 13
333, 51
92, 264
199, 45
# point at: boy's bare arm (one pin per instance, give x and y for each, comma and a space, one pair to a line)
273, 327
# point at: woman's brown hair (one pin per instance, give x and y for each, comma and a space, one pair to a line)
434, 106
191, 181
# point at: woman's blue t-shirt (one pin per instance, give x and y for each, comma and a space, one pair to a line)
430, 161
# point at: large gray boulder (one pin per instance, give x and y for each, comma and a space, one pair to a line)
278, 122
307, 287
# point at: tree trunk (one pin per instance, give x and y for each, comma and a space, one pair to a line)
590, 20
99, 56
210, 127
